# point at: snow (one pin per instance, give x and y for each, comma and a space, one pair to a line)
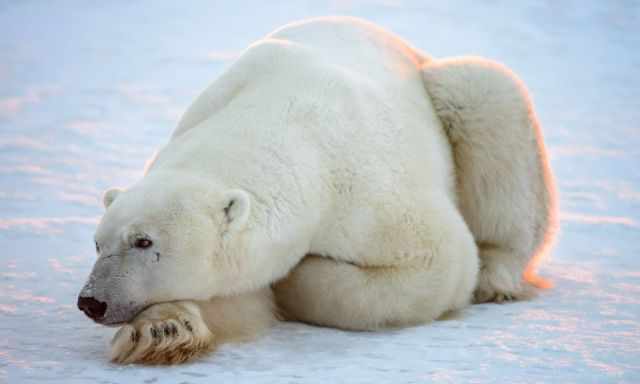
90, 89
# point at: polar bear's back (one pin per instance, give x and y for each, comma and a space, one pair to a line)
340, 87
355, 44
378, 93
308, 49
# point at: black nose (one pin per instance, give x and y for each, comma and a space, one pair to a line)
91, 307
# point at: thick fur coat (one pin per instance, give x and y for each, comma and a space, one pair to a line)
333, 175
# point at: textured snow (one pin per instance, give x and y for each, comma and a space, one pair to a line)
88, 90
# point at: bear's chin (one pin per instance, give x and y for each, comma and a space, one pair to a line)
113, 325
121, 315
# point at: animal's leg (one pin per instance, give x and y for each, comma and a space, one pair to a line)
170, 333
413, 288
505, 187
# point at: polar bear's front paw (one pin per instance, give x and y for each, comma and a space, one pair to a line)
167, 333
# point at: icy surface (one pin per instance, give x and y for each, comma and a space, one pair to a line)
89, 89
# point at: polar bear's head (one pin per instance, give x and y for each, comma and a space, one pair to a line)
163, 240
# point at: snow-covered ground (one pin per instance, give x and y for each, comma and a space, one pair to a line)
89, 89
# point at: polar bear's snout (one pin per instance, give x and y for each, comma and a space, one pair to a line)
107, 296
105, 306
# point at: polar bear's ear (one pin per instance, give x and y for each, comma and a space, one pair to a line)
109, 196
236, 208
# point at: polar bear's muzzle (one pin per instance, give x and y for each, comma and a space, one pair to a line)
103, 313
106, 298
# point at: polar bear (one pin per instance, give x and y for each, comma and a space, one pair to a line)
333, 175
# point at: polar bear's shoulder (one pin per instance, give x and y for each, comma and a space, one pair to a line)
271, 59
308, 52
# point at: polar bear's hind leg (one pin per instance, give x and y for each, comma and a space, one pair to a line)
412, 291
504, 183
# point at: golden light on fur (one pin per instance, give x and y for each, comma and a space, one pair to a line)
544, 250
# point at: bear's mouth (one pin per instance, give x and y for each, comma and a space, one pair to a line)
122, 314
113, 315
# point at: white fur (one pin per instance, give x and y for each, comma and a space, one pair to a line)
332, 139
505, 188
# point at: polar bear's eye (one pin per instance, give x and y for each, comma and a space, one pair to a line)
97, 247
143, 243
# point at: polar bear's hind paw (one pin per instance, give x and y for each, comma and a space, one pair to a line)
497, 284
